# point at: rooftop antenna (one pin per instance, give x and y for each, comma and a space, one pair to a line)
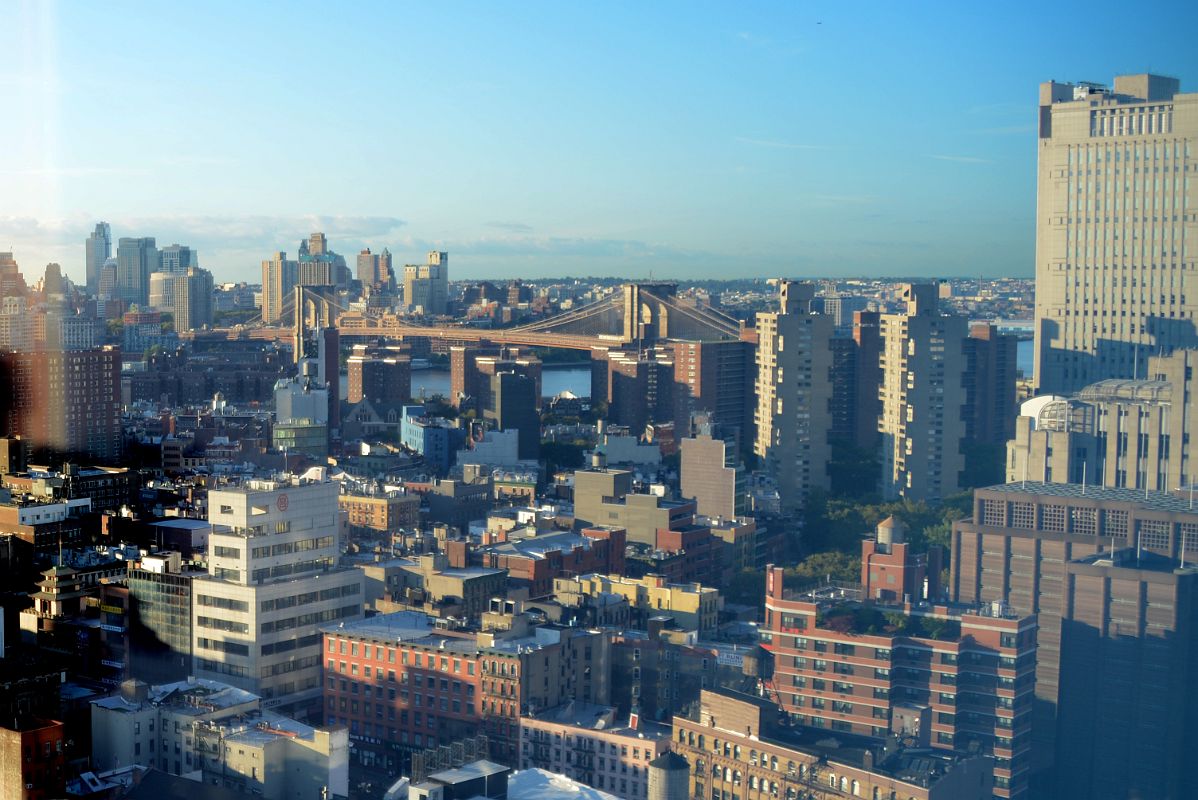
1135, 363
1025, 459
1083, 479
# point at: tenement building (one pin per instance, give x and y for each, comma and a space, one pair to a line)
273, 579
737, 747
1105, 571
1114, 202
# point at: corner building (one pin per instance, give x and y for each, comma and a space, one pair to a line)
273, 580
951, 678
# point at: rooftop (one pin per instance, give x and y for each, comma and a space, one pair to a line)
1129, 558
1152, 501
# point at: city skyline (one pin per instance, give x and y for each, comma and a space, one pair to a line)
661, 142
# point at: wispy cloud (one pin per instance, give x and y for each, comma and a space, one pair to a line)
510, 227
780, 145
962, 159
72, 172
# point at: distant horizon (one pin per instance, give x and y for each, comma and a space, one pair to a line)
539, 139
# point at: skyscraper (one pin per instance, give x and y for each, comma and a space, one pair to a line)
923, 398
98, 249
794, 388
136, 259
278, 279
1113, 205
177, 258
426, 286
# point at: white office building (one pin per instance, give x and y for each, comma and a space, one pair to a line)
273, 580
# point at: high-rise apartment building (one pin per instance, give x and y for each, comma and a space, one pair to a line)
1115, 653
273, 580
426, 286
278, 280
98, 249
379, 377
1114, 205
923, 396
64, 401
794, 390
136, 260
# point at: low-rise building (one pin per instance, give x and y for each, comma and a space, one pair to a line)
691, 605
736, 746
585, 742
222, 733
534, 559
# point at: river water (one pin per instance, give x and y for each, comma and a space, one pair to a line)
558, 379
554, 381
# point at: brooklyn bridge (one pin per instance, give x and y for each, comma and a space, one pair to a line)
632, 315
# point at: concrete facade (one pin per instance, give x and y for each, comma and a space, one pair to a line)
273, 580
1114, 212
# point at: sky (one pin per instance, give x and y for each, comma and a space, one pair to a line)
527, 139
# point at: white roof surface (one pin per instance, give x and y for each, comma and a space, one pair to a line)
537, 784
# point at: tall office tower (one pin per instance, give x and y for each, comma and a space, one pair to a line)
64, 402
106, 286
12, 282
177, 258
1116, 653
278, 280
426, 286
97, 250
367, 268
193, 299
136, 259
318, 245
1121, 433
1114, 204
794, 389
512, 404
16, 328
713, 476
162, 291
923, 398
273, 581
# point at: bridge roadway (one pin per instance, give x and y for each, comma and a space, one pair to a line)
360, 326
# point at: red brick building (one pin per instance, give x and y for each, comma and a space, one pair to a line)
32, 761
536, 560
946, 677
401, 687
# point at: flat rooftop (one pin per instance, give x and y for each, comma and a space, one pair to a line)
1153, 501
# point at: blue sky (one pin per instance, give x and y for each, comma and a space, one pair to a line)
678, 139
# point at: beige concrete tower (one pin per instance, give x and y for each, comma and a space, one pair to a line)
1116, 228
923, 397
794, 390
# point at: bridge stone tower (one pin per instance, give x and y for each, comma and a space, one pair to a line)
647, 316
315, 308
